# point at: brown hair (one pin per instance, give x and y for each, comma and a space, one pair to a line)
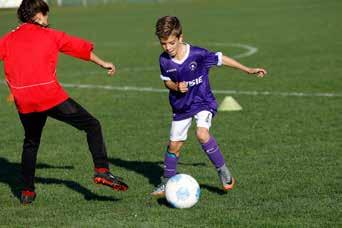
29, 8
167, 26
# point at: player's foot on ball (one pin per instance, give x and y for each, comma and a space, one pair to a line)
27, 197
159, 190
104, 177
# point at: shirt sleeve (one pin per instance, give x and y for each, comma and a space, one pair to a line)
74, 46
163, 74
212, 58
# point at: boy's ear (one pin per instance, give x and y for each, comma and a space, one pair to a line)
181, 38
38, 17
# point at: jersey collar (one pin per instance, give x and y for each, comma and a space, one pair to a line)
185, 56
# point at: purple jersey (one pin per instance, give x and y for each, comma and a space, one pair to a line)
194, 70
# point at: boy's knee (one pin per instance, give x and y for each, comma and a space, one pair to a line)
31, 145
202, 135
96, 122
93, 124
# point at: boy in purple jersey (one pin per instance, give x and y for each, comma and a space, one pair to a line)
185, 72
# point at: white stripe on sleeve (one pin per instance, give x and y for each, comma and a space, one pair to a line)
162, 77
219, 55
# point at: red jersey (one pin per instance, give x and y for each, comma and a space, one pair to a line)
30, 55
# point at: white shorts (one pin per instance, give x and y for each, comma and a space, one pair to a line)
179, 129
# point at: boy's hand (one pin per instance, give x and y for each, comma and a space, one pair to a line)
182, 87
110, 67
259, 72
107, 65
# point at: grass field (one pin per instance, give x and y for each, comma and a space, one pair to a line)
284, 147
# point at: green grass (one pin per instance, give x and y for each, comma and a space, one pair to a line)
285, 151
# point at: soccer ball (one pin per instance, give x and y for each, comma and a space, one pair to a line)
182, 191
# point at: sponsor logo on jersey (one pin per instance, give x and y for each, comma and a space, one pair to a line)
194, 82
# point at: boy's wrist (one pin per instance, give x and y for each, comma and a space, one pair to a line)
176, 87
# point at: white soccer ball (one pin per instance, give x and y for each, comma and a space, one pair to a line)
182, 191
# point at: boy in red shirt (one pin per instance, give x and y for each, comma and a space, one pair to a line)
30, 54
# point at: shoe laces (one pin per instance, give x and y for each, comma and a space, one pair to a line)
160, 187
225, 178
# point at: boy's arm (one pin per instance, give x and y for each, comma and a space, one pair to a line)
235, 64
80, 48
106, 65
179, 87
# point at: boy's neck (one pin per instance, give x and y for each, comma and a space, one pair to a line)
181, 52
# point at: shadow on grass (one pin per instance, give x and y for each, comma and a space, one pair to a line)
88, 195
151, 170
10, 174
163, 201
213, 189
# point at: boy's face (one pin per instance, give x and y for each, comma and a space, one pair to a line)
172, 44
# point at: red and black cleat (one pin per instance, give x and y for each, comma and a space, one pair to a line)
108, 179
27, 197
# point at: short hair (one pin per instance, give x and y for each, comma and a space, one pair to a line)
167, 26
29, 8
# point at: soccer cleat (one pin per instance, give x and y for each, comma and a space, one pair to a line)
160, 189
27, 197
225, 178
108, 179
229, 186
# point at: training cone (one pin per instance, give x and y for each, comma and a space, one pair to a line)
229, 104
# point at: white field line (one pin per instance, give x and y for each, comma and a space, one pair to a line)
249, 50
156, 90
